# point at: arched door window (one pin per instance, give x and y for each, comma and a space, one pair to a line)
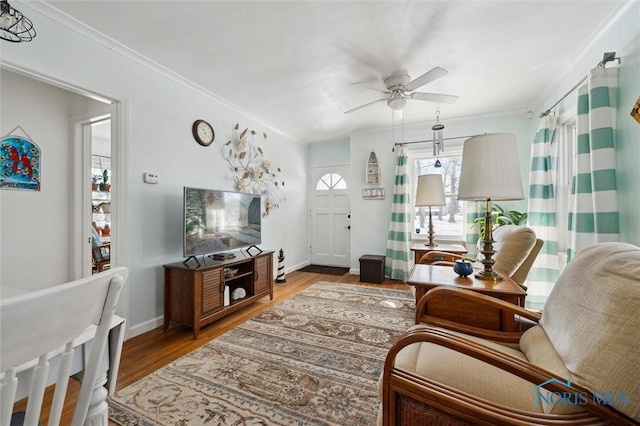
331, 181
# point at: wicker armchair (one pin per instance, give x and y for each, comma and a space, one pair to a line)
577, 366
516, 249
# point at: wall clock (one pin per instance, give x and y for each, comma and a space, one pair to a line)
203, 132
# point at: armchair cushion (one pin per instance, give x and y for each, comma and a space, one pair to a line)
468, 374
538, 349
601, 287
513, 244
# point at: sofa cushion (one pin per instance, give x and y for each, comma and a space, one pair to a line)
592, 319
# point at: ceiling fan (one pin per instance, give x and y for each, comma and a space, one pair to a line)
400, 89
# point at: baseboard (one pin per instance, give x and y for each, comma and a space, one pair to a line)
142, 328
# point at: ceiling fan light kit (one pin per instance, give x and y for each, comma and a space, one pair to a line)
397, 103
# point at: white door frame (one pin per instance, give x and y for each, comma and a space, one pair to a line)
80, 262
79, 233
344, 171
81, 255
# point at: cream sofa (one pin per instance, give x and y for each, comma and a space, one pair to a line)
580, 363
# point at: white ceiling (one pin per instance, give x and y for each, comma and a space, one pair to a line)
293, 64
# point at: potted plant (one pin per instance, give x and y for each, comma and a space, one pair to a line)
95, 182
500, 217
105, 185
106, 230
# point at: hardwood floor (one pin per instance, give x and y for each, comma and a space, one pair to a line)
150, 351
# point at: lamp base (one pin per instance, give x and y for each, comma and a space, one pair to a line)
432, 241
489, 275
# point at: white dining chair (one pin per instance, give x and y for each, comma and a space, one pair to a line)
40, 330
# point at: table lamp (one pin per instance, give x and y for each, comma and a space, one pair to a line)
490, 171
430, 193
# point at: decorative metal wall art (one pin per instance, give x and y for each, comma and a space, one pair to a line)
635, 111
19, 162
253, 173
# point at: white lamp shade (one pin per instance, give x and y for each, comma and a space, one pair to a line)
490, 168
430, 191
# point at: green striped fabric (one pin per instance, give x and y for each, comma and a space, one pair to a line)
472, 212
542, 209
593, 216
398, 243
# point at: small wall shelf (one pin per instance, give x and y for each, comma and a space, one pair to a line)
372, 173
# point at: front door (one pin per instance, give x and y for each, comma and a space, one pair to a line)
330, 216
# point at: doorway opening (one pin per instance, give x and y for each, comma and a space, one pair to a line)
101, 174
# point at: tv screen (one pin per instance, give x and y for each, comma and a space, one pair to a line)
216, 221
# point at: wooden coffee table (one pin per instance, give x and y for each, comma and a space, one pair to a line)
426, 277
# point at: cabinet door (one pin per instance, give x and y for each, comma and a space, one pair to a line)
263, 274
212, 290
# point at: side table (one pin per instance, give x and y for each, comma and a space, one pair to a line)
420, 249
425, 277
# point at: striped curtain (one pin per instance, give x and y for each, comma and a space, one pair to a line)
398, 243
542, 210
472, 212
593, 217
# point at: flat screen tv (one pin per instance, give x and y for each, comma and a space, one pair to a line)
217, 221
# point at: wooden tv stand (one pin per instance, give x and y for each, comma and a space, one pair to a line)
194, 291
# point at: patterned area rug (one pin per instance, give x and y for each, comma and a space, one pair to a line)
314, 359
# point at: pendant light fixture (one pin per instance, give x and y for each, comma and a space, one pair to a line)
438, 147
14, 26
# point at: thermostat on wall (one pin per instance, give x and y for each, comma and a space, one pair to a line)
150, 177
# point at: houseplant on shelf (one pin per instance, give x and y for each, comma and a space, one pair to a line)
104, 185
95, 182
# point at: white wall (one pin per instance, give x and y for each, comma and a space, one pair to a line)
329, 153
160, 112
35, 226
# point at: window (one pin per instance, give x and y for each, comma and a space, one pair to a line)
331, 181
448, 221
567, 140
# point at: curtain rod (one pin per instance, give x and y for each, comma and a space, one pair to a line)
431, 140
607, 57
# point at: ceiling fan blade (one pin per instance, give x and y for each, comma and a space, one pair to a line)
425, 78
366, 105
369, 85
434, 97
